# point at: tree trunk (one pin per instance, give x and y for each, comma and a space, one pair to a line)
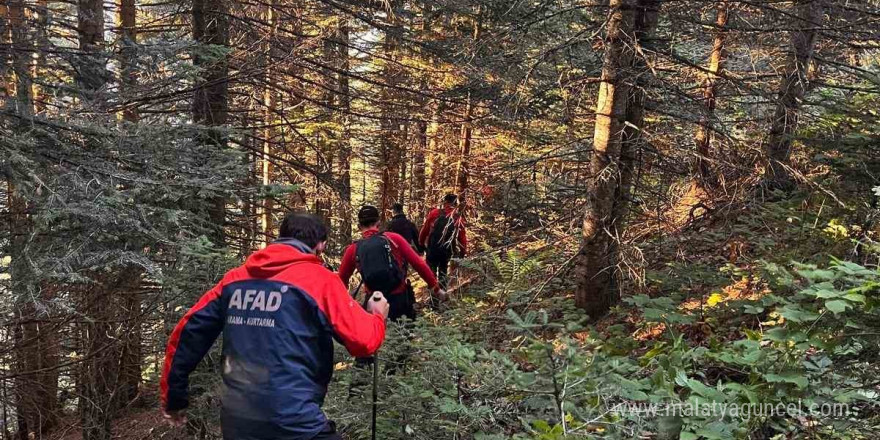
703, 136
390, 144
464, 155
267, 229
417, 201
326, 138
596, 290
130, 296
99, 380
403, 149
210, 27
644, 23
343, 107
808, 18
418, 184
99, 372
92, 74
128, 56
618, 102
41, 37
37, 350
6, 83
22, 47
463, 172
434, 157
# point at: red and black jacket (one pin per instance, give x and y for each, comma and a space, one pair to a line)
278, 314
432, 217
402, 252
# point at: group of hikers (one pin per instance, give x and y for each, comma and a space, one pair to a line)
280, 312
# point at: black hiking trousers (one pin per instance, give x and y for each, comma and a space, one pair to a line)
438, 262
399, 304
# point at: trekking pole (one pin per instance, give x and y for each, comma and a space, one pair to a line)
375, 386
375, 395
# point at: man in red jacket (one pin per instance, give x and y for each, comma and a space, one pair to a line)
444, 236
278, 314
383, 259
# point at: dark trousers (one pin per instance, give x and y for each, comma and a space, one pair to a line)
400, 304
439, 264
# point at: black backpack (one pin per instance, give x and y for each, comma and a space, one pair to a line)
443, 240
379, 270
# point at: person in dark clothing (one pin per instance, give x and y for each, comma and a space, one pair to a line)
401, 296
402, 226
279, 314
443, 236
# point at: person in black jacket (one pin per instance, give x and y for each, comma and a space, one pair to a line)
402, 226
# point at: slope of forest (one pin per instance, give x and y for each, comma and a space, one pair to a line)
672, 207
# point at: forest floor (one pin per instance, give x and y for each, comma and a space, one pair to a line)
143, 423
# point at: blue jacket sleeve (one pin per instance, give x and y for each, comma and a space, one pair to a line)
188, 344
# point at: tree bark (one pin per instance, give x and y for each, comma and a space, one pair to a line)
99, 372
619, 117
420, 146
403, 149
42, 49
128, 56
36, 344
464, 155
808, 18
22, 47
596, 260
130, 296
463, 173
343, 106
417, 201
92, 74
434, 157
6, 82
703, 136
644, 23
37, 349
210, 27
267, 228
390, 144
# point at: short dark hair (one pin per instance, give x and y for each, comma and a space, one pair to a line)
368, 215
397, 208
307, 228
450, 199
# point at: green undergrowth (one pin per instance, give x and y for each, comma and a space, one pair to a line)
781, 342
797, 362
768, 329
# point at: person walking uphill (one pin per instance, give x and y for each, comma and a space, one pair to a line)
382, 258
443, 236
279, 314
402, 226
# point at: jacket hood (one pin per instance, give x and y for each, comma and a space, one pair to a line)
277, 257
